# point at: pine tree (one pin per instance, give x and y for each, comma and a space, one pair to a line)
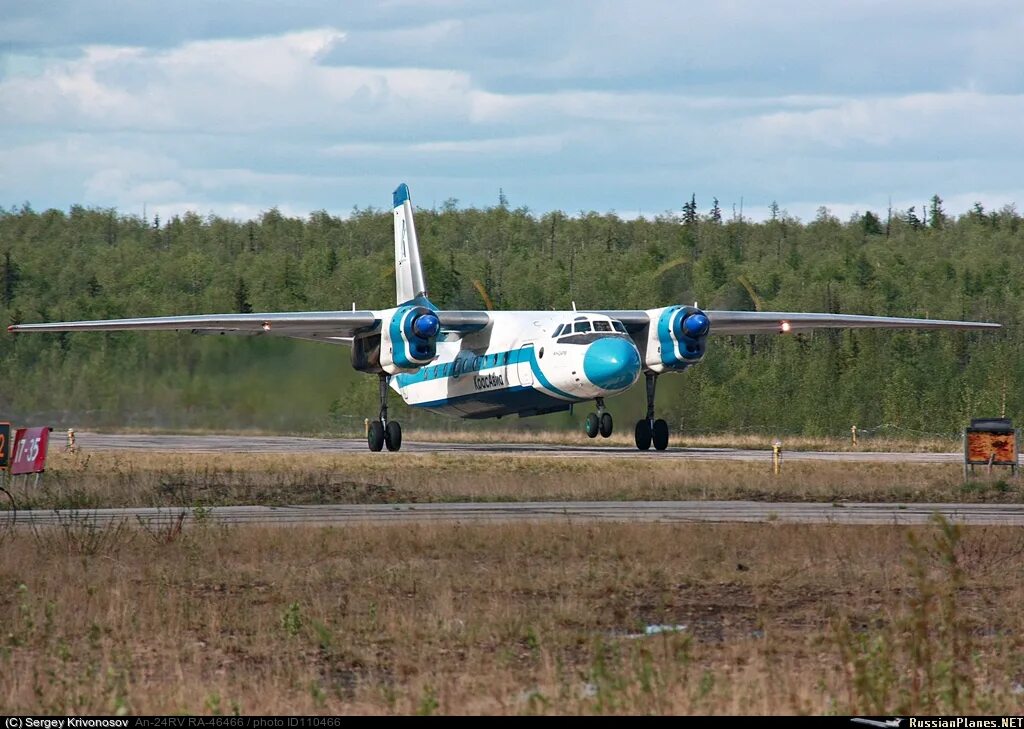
11, 276
690, 211
936, 216
871, 224
242, 305
716, 212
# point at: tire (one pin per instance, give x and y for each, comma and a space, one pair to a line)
591, 425
642, 433
659, 435
375, 436
606, 425
393, 436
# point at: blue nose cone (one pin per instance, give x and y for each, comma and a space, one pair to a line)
612, 363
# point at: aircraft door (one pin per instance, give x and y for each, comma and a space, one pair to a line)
524, 371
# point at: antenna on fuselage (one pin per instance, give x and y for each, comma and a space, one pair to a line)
574, 306
353, 306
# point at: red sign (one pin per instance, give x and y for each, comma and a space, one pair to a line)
1000, 448
28, 454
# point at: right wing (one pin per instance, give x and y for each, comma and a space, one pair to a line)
336, 327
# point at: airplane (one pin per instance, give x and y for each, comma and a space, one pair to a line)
489, 364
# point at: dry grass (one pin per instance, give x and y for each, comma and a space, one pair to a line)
106, 479
544, 618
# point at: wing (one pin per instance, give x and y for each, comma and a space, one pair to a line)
766, 322
336, 327
760, 322
333, 327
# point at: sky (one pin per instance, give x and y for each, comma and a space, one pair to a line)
232, 108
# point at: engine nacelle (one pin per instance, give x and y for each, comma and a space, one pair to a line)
676, 338
408, 339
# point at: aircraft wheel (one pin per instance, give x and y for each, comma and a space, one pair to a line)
659, 435
642, 433
393, 435
375, 436
591, 425
606, 425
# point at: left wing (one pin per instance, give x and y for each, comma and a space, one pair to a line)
766, 322
761, 322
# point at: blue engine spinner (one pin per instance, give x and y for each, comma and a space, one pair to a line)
414, 331
682, 334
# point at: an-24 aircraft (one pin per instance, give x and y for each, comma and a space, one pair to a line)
487, 364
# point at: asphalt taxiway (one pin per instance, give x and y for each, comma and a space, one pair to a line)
288, 444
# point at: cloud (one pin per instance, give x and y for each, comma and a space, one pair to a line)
628, 106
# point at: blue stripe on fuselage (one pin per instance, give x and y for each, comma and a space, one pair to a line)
499, 401
470, 364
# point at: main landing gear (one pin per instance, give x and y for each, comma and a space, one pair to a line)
384, 432
649, 430
599, 422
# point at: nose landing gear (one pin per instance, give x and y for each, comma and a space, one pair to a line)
384, 432
650, 431
599, 422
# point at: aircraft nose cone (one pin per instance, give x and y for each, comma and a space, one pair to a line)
612, 363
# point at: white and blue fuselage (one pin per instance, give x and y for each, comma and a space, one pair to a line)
525, 363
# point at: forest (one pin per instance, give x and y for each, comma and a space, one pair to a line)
93, 263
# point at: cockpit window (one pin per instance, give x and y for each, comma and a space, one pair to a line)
602, 326
557, 331
581, 326
617, 325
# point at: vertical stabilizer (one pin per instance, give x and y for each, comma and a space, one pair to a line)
409, 281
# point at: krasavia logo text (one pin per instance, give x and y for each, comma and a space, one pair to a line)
486, 382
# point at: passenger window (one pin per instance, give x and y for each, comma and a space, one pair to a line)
602, 326
618, 326
582, 326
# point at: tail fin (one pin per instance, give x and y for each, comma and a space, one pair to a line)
409, 281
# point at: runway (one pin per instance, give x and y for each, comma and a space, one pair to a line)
287, 444
565, 512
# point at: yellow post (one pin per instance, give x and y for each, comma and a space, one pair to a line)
71, 446
853, 435
366, 427
776, 456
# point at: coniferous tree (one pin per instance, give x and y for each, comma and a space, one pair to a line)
936, 216
871, 224
242, 305
690, 211
11, 276
716, 212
